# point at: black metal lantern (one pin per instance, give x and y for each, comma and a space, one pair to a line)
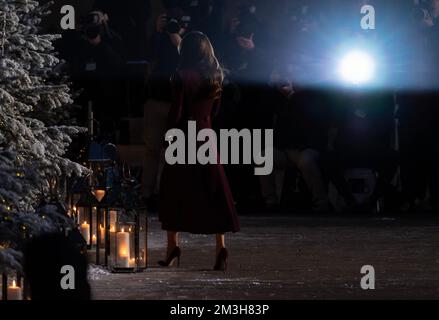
109, 214
141, 237
87, 194
92, 224
126, 233
77, 190
86, 218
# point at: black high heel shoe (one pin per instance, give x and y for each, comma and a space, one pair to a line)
222, 260
175, 254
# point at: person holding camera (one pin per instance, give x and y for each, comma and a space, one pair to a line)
164, 56
96, 29
96, 70
244, 53
130, 22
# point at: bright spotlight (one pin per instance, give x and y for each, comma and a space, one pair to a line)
357, 67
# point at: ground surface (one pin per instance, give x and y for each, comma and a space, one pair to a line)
293, 258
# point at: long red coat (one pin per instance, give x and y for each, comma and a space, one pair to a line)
195, 198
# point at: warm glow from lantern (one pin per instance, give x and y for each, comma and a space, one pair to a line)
85, 231
15, 292
123, 249
99, 194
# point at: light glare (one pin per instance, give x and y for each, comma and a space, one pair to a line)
357, 67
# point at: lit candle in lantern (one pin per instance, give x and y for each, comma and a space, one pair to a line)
113, 243
94, 239
15, 292
85, 231
74, 210
123, 249
123, 260
102, 233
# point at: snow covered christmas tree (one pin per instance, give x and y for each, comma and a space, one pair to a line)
34, 135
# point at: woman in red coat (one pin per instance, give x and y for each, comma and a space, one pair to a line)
196, 198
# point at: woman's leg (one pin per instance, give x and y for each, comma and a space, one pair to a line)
222, 256
220, 242
172, 252
172, 242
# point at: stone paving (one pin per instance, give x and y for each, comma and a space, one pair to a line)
306, 257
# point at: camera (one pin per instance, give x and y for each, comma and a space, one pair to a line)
94, 24
174, 25
419, 14
421, 11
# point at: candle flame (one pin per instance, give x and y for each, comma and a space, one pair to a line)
123, 230
14, 284
85, 223
112, 229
